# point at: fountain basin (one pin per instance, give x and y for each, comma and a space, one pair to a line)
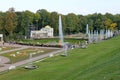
31, 67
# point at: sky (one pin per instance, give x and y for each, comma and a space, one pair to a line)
83, 7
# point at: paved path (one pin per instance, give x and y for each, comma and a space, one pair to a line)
27, 61
21, 47
4, 60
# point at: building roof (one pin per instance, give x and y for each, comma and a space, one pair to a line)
47, 26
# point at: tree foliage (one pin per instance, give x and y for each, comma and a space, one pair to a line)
72, 22
45, 18
18, 23
1, 22
113, 26
54, 22
10, 21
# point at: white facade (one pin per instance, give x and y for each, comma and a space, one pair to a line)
43, 33
1, 37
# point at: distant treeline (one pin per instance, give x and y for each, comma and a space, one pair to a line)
14, 23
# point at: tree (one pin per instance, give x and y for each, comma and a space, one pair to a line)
29, 17
37, 16
54, 22
1, 22
36, 20
72, 22
45, 17
108, 23
117, 20
96, 21
19, 22
82, 21
91, 24
21, 26
99, 22
25, 19
109, 16
10, 21
113, 26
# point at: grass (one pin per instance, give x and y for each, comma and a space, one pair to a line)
6, 48
19, 55
48, 40
98, 62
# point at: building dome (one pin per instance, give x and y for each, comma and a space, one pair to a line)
47, 26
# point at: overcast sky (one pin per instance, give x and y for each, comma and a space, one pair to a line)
83, 7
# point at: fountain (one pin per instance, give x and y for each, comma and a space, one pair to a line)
89, 37
87, 29
106, 34
61, 37
30, 66
60, 31
101, 35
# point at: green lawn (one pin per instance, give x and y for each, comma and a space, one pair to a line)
49, 40
6, 48
19, 55
98, 62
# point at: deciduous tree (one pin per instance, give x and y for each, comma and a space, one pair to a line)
10, 21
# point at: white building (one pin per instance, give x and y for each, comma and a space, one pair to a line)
43, 33
1, 37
